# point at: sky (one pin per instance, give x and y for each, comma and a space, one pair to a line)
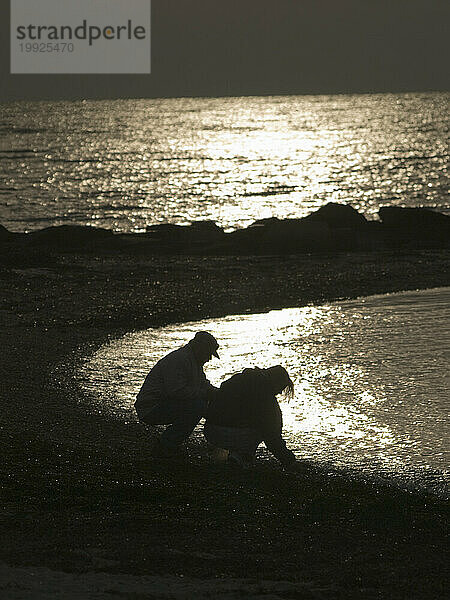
260, 47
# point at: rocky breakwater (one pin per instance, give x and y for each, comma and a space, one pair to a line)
332, 228
39, 248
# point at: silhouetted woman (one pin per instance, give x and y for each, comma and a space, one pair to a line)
245, 412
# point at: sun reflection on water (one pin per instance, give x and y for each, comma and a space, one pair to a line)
133, 163
364, 372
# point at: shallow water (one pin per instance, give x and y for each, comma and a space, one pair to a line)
125, 164
371, 378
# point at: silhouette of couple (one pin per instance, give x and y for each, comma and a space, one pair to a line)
240, 414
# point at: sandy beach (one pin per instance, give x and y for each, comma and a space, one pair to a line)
89, 514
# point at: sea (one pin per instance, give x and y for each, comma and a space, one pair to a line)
126, 164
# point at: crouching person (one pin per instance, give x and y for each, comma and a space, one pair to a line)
176, 393
245, 412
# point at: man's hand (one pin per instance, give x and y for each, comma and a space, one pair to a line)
210, 394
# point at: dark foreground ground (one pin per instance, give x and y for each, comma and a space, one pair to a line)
82, 496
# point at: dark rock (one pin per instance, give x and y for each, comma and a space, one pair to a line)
418, 227
275, 236
413, 218
167, 231
268, 221
14, 250
197, 233
4, 233
334, 227
208, 228
371, 237
338, 216
70, 237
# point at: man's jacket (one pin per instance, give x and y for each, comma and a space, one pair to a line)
176, 377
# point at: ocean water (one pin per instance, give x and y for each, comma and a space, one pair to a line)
371, 375
125, 164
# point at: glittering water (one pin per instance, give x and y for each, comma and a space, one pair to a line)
371, 377
126, 164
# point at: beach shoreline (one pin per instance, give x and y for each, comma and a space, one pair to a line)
81, 491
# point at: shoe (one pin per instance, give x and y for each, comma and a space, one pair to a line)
217, 455
161, 450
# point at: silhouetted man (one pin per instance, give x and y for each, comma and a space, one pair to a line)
176, 392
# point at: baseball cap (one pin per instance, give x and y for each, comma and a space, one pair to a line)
208, 341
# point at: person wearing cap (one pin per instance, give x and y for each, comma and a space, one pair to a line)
245, 412
176, 392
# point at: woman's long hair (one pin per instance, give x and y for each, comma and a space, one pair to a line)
281, 380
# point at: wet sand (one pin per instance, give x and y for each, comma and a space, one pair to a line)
82, 495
